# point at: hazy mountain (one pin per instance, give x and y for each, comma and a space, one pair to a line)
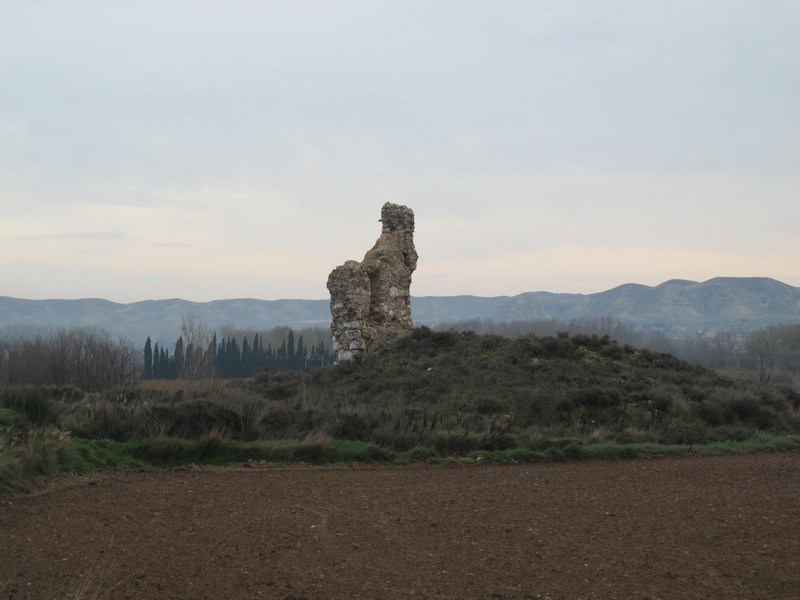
673, 306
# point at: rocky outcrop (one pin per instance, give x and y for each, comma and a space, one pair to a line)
371, 299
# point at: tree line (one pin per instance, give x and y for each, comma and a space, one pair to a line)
198, 354
81, 357
91, 360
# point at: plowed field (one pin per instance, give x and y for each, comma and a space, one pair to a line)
714, 527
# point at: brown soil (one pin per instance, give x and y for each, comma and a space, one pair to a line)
720, 527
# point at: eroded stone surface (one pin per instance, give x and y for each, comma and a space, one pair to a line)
371, 300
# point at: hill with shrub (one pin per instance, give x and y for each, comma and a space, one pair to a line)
429, 396
459, 392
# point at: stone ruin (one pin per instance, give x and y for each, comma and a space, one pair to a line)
370, 300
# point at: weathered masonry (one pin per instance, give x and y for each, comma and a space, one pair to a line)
371, 299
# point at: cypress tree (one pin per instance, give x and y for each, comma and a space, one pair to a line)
247, 358
147, 372
259, 355
166, 364
234, 358
280, 359
300, 354
327, 358
156, 362
290, 355
219, 358
178, 357
211, 355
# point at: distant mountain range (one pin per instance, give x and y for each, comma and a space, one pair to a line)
674, 307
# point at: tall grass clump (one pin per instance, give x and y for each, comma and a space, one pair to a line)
27, 453
36, 403
315, 449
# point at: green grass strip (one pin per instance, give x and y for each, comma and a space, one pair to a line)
44, 455
763, 443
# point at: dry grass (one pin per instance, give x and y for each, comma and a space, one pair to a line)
168, 386
172, 386
93, 584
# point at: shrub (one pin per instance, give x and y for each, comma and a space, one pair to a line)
764, 409
739, 406
35, 403
316, 448
553, 454
422, 454
736, 433
350, 426
427, 342
195, 418
388, 437
278, 417
499, 440
686, 432
487, 405
99, 418
457, 442
36, 451
600, 435
249, 408
630, 451
163, 450
280, 385
491, 342
521, 455
661, 397
557, 347
597, 397
574, 452
211, 443
538, 406
631, 435
9, 417
790, 394
354, 451
512, 455
711, 411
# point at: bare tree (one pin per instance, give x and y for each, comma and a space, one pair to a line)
82, 357
198, 350
761, 350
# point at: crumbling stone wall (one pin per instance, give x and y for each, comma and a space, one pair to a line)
371, 299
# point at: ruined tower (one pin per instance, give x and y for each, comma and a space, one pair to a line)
370, 300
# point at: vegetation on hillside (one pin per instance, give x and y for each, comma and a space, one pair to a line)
770, 352
458, 392
429, 395
238, 355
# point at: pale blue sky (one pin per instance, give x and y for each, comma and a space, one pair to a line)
212, 150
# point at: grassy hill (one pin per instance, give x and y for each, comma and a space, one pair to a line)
431, 395
457, 392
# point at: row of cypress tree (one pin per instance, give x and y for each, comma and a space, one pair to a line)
228, 359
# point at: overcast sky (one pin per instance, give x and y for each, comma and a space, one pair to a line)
210, 150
